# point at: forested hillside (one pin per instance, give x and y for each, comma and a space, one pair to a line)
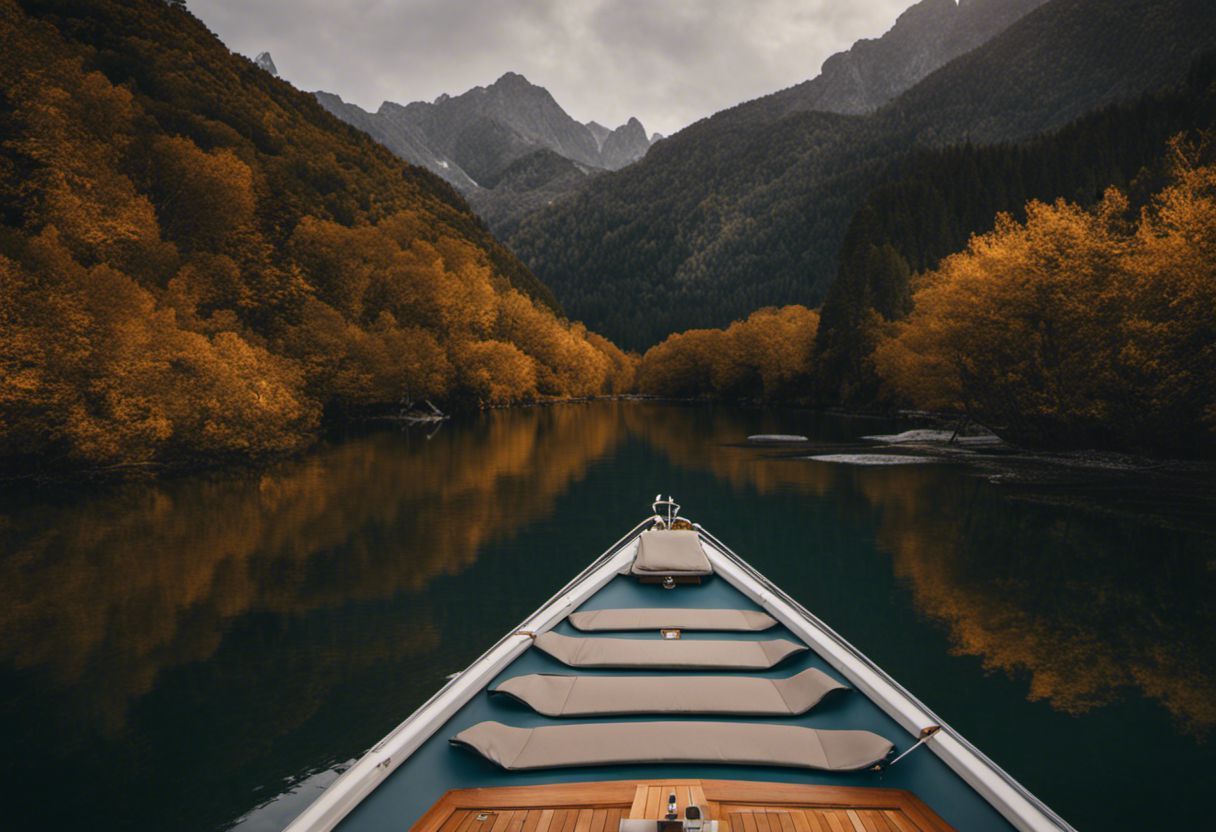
1062, 326
740, 211
196, 260
1076, 327
933, 201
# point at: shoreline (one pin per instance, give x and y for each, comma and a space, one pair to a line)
334, 427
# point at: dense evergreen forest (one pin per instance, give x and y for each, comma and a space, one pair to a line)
933, 201
749, 208
197, 261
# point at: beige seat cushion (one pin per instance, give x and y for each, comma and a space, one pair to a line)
675, 654
558, 695
646, 618
620, 743
670, 552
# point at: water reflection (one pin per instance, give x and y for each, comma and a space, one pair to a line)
112, 589
1084, 602
273, 622
710, 439
1086, 606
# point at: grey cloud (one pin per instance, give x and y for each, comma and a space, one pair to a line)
669, 62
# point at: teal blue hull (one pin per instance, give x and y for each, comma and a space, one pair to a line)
437, 767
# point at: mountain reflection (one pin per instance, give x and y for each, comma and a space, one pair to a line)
102, 593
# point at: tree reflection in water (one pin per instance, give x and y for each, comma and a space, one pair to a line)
1085, 601
1086, 606
104, 592
228, 614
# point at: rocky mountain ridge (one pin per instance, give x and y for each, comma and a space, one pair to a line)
748, 208
473, 139
874, 71
265, 62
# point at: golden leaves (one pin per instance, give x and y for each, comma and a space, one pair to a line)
1076, 325
187, 283
92, 367
762, 357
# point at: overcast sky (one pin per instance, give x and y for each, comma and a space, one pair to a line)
669, 62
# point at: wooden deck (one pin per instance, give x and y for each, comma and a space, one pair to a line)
740, 806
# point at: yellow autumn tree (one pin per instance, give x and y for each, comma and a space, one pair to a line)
762, 356
95, 372
341, 263
766, 356
75, 139
680, 366
1169, 354
205, 200
206, 290
496, 372
566, 364
622, 366
1076, 326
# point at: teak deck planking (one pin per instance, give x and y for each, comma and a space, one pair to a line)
739, 806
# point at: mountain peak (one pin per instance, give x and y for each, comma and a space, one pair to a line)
599, 132
265, 62
512, 79
506, 134
624, 145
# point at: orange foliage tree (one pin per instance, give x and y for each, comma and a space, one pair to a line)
567, 365
496, 372
95, 372
197, 261
1075, 326
766, 356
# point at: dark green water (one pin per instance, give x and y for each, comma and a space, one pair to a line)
182, 655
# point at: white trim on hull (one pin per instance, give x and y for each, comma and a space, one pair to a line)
1006, 795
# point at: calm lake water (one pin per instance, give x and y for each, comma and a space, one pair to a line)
204, 653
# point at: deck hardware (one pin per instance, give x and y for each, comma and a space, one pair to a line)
529, 633
673, 509
665, 825
669, 582
482, 817
386, 762
925, 734
670, 632
672, 806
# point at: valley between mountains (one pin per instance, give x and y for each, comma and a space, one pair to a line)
1003, 210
